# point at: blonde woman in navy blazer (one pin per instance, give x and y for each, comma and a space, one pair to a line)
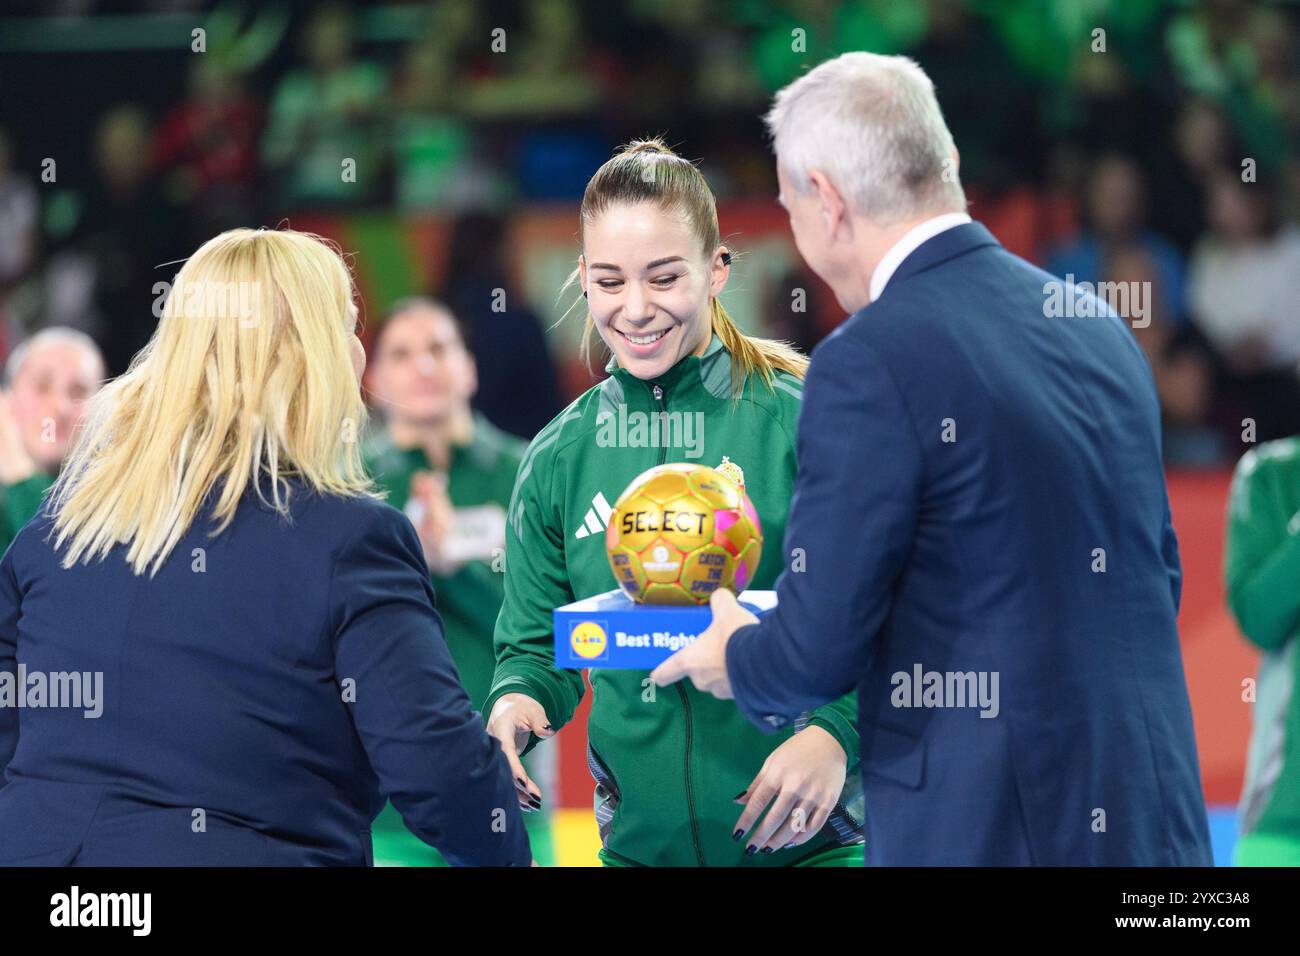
217, 645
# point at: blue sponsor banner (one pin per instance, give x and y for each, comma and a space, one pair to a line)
611, 630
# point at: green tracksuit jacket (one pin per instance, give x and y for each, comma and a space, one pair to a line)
19, 503
1262, 568
668, 762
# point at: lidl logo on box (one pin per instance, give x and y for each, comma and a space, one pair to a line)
588, 640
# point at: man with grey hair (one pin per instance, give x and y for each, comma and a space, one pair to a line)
47, 380
980, 533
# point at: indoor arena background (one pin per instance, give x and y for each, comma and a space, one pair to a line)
471, 162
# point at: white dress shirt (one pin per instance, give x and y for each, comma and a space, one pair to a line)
905, 246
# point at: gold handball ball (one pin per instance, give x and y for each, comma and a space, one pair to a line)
681, 531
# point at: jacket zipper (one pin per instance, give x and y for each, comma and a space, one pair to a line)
690, 794
657, 391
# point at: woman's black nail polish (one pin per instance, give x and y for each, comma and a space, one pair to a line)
738, 834
767, 849
751, 850
739, 795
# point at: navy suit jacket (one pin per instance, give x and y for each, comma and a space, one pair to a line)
980, 497
260, 697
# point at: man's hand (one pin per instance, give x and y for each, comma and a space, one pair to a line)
705, 660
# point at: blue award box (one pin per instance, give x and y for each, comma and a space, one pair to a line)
611, 630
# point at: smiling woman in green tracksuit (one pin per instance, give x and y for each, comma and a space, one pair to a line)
682, 778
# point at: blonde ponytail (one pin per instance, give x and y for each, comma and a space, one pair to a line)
755, 356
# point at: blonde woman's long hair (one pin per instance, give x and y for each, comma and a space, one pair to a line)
647, 170
248, 375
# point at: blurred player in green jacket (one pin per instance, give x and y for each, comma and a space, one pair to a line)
1262, 567
452, 472
48, 378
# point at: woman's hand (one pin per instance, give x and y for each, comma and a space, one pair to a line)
801, 780
15, 464
513, 718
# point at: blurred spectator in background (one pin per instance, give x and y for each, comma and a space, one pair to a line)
430, 142
1240, 54
19, 218
549, 83
1180, 362
1202, 143
1203, 136
826, 28
1083, 158
47, 381
1243, 299
1114, 220
791, 307
127, 229
999, 149
207, 146
517, 386
551, 72
328, 111
436, 165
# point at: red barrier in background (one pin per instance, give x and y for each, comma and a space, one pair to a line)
1216, 657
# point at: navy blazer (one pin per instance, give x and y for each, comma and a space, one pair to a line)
261, 696
981, 506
